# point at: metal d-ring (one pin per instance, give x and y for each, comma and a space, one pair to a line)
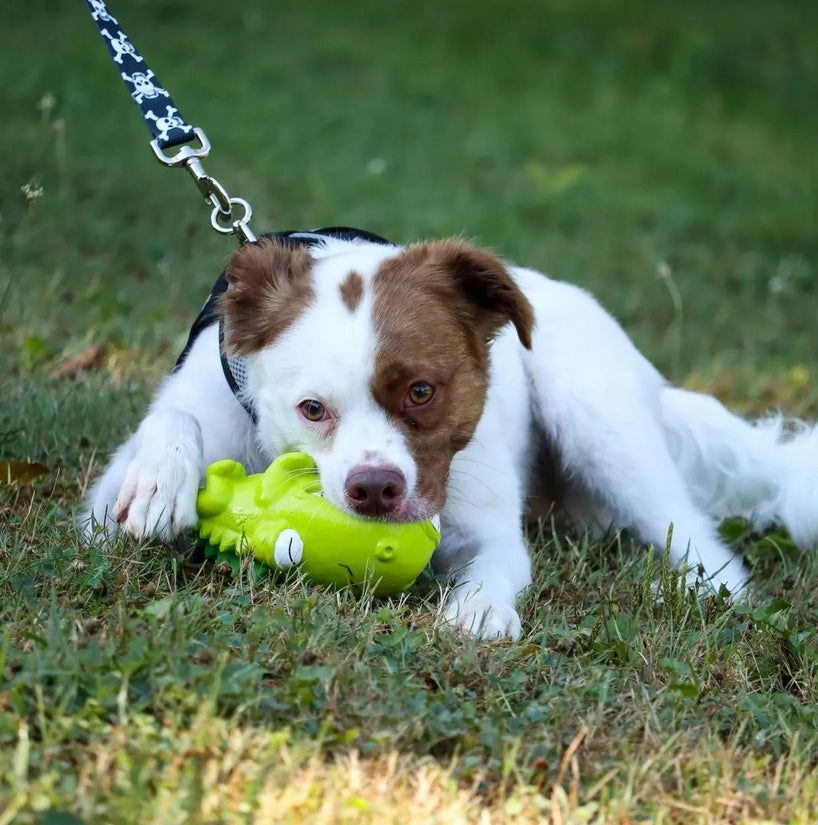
237, 227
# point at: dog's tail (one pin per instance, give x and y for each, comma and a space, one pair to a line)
765, 471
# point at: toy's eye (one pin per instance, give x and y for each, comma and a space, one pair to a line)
421, 392
313, 410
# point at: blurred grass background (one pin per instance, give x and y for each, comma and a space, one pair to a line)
606, 143
661, 154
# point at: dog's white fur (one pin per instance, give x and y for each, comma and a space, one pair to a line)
634, 452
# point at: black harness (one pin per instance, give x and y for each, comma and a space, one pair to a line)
235, 369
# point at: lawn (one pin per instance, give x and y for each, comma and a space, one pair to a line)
661, 154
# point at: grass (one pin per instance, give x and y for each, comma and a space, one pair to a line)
660, 154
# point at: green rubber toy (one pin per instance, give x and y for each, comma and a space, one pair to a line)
283, 519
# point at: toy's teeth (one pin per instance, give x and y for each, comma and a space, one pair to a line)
436, 521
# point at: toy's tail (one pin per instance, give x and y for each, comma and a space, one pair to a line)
765, 471
221, 479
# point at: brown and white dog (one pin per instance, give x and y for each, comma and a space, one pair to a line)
435, 378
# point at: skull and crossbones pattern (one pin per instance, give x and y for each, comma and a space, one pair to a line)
122, 46
169, 121
143, 86
154, 101
100, 12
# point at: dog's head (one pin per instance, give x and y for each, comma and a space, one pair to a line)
373, 359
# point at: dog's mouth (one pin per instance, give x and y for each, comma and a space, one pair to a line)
410, 512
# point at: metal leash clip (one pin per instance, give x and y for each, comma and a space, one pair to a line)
168, 127
221, 218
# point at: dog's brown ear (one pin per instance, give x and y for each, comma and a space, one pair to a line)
270, 286
492, 297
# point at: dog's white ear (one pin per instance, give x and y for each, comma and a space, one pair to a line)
270, 286
492, 298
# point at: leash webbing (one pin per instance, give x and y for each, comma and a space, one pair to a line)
168, 127
171, 131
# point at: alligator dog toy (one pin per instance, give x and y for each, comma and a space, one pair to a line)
283, 519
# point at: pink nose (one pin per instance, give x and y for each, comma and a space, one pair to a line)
375, 491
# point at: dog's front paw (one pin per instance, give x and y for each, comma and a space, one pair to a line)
158, 498
483, 617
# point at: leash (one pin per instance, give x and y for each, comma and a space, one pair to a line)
169, 129
172, 132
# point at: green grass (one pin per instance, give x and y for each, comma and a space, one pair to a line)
663, 155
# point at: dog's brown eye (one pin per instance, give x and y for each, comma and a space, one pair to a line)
312, 410
420, 393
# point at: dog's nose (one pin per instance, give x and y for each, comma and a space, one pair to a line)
375, 491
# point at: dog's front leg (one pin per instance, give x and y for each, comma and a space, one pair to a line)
149, 488
484, 590
484, 553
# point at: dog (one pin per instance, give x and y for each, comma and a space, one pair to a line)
436, 378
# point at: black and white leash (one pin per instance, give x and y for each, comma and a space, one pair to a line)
169, 129
171, 132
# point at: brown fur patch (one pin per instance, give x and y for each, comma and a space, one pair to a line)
271, 286
436, 308
352, 291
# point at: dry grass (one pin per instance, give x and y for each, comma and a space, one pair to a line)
216, 772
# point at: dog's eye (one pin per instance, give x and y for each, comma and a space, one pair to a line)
420, 393
313, 410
